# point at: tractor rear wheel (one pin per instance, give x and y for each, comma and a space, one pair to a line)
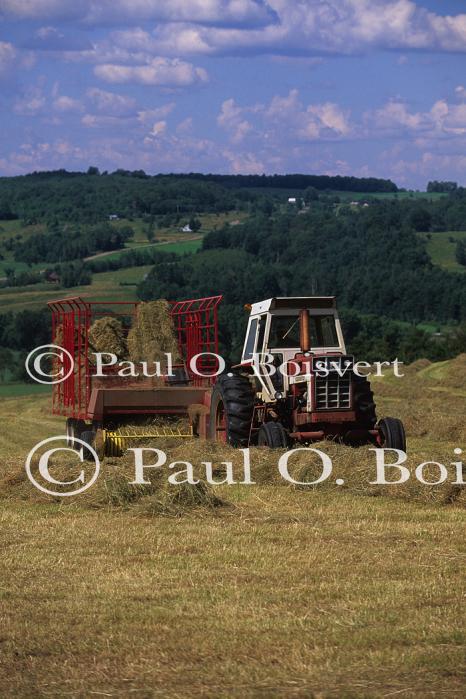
273, 435
363, 400
393, 433
231, 410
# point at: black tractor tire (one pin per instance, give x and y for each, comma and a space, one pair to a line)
87, 436
363, 401
231, 410
74, 429
392, 433
273, 435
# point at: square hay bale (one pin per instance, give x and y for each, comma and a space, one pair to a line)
153, 334
107, 335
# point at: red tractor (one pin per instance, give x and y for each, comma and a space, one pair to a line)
295, 381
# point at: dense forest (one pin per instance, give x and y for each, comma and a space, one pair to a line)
90, 198
368, 253
71, 243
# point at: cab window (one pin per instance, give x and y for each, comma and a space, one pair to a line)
250, 340
284, 332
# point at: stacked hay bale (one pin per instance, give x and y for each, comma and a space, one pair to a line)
107, 335
153, 336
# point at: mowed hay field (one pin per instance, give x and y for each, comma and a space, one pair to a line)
264, 590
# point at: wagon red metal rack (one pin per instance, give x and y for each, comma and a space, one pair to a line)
97, 407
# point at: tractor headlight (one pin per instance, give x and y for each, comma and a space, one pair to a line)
278, 395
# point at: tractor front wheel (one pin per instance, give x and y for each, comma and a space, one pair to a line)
231, 410
273, 435
392, 433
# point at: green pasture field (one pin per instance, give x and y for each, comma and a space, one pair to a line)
8, 390
106, 286
178, 245
442, 250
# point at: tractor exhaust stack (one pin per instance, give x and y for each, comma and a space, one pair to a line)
304, 333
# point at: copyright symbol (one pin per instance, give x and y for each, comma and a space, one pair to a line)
35, 369
43, 468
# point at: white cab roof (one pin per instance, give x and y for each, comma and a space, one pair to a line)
293, 303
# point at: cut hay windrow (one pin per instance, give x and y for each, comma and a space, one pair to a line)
113, 489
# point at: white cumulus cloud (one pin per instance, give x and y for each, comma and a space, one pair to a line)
109, 12
111, 103
442, 119
323, 27
159, 71
8, 55
231, 118
67, 104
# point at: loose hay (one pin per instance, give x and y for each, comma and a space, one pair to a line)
418, 365
113, 490
107, 335
152, 337
153, 334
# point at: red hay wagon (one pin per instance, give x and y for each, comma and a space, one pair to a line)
96, 407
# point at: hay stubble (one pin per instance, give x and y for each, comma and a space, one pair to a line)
274, 592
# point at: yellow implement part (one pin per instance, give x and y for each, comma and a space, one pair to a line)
116, 441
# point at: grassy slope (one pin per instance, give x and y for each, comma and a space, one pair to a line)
314, 593
176, 244
442, 250
105, 286
8, 390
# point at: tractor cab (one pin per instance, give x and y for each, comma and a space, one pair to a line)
283, 330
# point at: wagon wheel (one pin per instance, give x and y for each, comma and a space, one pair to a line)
74, 430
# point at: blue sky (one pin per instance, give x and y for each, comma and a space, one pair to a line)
357, 87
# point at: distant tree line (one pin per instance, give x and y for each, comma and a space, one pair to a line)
320, 182
436, 186
20, 332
